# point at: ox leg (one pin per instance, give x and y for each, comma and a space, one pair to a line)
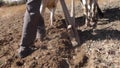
73, 10
43, 7
94, 14
87, 16
52, 11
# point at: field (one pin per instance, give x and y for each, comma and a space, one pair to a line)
98, 49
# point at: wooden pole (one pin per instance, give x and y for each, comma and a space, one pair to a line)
72, 31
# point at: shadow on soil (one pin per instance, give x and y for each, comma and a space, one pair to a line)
99, 35
112, 14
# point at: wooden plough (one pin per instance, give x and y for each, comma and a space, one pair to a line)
70, 22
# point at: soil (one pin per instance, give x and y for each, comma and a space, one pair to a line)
99, 48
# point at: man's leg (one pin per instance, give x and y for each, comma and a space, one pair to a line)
31, 21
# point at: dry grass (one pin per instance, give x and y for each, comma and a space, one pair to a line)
11, 11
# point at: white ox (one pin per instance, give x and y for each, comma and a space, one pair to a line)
51, 5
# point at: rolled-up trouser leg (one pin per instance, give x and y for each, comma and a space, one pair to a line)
32, 20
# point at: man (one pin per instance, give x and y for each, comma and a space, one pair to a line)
33, 23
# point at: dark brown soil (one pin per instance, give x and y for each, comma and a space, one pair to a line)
99, 48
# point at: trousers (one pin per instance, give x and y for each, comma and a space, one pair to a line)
33, 22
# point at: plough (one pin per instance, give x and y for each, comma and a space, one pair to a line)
70, 22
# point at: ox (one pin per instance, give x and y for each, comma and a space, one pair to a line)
91, 11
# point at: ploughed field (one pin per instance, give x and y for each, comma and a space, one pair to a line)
99, 48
